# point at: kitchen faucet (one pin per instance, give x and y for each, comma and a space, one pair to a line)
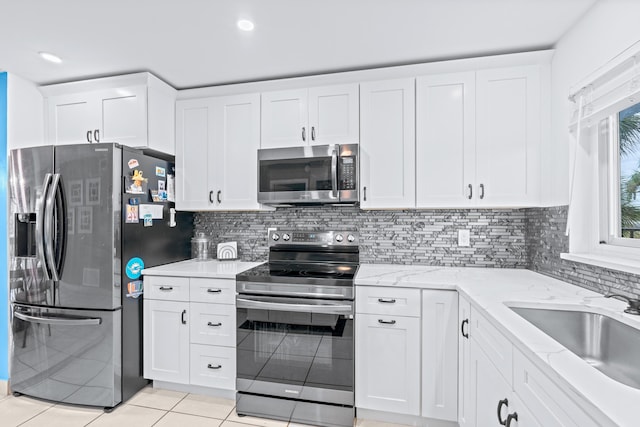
634, 303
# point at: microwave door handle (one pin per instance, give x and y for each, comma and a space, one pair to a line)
334, 173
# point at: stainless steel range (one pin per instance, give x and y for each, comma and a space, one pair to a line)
295, 328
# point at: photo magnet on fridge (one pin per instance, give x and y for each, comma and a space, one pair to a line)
132, 214
133, 163
160, 172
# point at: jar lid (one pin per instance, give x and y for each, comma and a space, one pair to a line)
200, 238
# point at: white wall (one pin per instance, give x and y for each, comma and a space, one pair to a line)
607, 29
25, 113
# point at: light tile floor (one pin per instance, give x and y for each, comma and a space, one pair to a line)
150, 407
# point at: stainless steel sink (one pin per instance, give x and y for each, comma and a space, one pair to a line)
608, 345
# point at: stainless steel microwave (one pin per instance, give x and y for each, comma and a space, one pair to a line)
313, 174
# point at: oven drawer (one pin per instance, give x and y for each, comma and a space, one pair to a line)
213, 366
387, 300
166, 288
213, 324
219, 291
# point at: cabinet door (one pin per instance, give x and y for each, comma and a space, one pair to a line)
508, 136
194, 138
333, 114
445, 140
387, 144
440, 354
284, 119
488, 388
166, 341
70, 117
465, 395
236, 139
123, 115
388, 362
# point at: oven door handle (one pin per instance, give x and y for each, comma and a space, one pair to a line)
306, 308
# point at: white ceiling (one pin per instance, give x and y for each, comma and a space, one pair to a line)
192, 43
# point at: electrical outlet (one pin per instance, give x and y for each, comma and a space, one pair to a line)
269, 230
464, 237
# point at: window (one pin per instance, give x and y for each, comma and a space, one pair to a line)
620, 149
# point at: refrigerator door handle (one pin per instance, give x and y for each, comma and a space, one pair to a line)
63, 321
40, 225
49, 232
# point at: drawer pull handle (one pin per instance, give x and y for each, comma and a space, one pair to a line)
387, 322
214, 324
387, 301
166, 288
210, 366
504, 402
464, 322
511, 417
214, 291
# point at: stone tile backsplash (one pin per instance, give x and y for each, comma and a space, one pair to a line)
545, 241
392, 236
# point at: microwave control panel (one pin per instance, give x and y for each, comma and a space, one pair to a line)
348, 173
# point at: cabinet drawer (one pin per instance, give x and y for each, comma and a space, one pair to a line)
213, 366
498, 348
381, 300
219, 291
213, 324
551, 406
166, 288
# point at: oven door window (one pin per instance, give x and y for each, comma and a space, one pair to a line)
312, 350
306, 174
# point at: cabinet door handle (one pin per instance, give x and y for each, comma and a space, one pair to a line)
504, 402
313, 133
470, 192
96, 135
214, 291
210, 366
214, 324
218, 196
511, 417
466, 335
387, 301
387, 322
482, 195
211, 196
166, 288
89, 136
364, 191
304, 134
182, 317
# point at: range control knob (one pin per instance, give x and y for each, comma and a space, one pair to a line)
275, 237
286, 237
339, 238
351, 238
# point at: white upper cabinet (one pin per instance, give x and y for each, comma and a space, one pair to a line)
137, 110
445, 140
508, 134
387, 144
315, 116
216, 153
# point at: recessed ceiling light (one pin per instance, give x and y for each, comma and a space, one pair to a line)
245, 25
50, 57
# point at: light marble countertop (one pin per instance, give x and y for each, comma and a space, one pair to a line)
192, 268
493, 290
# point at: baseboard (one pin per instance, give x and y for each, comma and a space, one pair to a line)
195, 389
390, 417
4, 388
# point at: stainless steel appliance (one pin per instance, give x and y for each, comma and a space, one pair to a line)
85, 219
295, 330
308, 175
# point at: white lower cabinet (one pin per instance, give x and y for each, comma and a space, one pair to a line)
406, 351
187, 341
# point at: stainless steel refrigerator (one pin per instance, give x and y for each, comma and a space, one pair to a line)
85, 219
